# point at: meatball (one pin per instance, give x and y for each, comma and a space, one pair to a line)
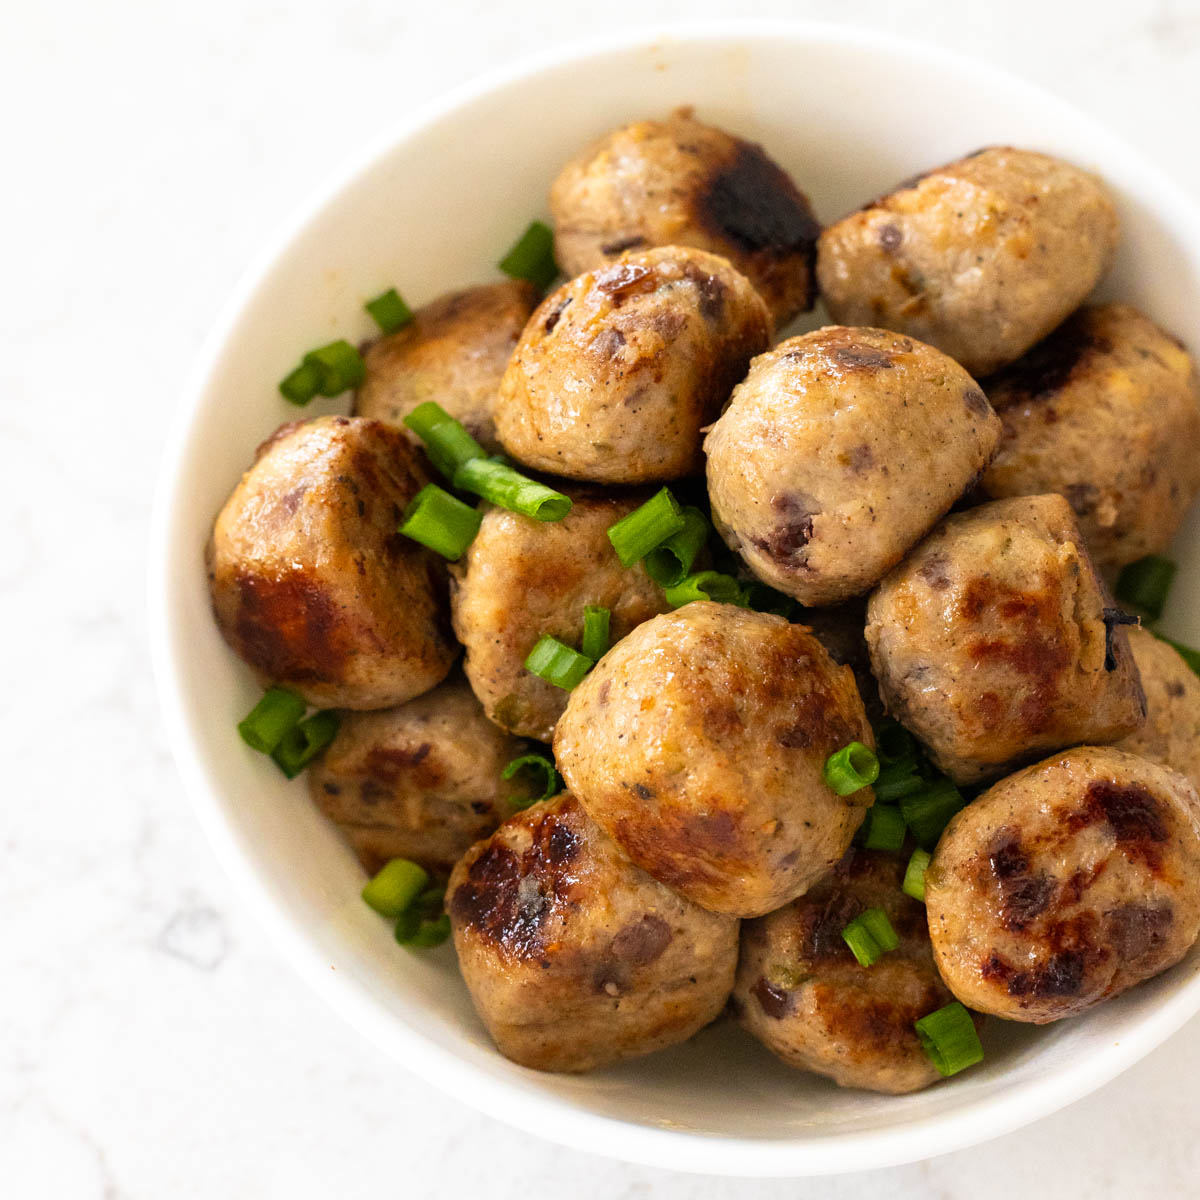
1105, 411
1171, 734
522, 578
980, 258
453, 351
682, 183
1065, 884
420, 781
802, 993
312, 585
842, 631
837, 453
574, 958
698, 744
992, 643
619, 370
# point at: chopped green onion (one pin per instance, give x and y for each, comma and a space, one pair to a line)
914, 874
646, 528
896, 781
532, 257
862, 945
498, 482
1146, 583
447, 442
338, 366
894, 744
440, 521
301, 385
870, 935
883, 828
424, 923
706, 585
766, 599
389, 311
851, 769
928, 812
596, 622
949, 1039
557, 663
670, 561
875, 922
551, 781
302, 743
1189, 656
265, 725
395, 887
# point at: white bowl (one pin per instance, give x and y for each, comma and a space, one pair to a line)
847, 113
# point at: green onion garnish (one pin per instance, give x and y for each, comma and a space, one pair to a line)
646, 528
914, 875
395, 887
447, 442
537, 764
670, 561
596, 622
557, 663
440, 521
498, 482
532, 257
851, 769
928, 812
766, 599
897, 780
338, 366
274, 715
424, 923
870, 935
389, 311
1146, 583
883, 828
894, 744
301, 385
302, 743
706, 585
949, 1039
1189, 656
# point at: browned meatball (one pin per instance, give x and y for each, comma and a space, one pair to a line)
698, 743
1171, 733
522, 578
574, 958
682, 183
1105, 411
1065, 884
421, 781
838, 451
453, 351
619, 370
990, 641
802, 993
311, 583
980, 258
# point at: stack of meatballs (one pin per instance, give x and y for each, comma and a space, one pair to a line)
946, 480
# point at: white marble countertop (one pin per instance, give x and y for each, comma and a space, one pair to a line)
152, 1041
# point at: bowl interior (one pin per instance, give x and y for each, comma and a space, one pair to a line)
847, 115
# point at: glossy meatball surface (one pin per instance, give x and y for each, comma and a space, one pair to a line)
803, 994
619, 370
698, 744
981, 258
680, 182
312, 585
1106, 412
1065, 884
523, 578
990, 642
454, 352
837, 452
420, 781
574, 957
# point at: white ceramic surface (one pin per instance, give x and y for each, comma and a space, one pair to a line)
847, 113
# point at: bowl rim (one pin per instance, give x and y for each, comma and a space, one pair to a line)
546, 1116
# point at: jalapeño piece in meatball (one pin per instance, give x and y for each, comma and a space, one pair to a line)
980, 258
1106, 412
421, 781
1065, 884
574, 957
619, 370
454, 351
682, 183
993, 644
1171, 733
311, 583
802, 993
699, 743
521, 579
837, 453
